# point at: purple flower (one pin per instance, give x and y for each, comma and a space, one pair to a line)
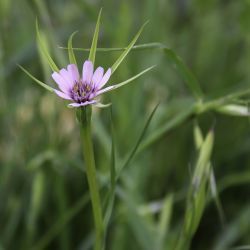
81, 89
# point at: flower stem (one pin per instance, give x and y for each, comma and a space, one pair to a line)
88, 152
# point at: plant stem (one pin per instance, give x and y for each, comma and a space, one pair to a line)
88, 153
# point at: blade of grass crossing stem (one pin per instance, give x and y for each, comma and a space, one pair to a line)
113, 161
134, 150
186, 74
171, 124
72, 58
127, 50
44, 85
44, 49
92, 51
111, 194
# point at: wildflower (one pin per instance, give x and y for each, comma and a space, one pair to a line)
82, 90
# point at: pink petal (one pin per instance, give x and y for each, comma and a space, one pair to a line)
61, 82
105, 79
62, 95
81, 104
87, 71
67, 76
74, 73
97, 77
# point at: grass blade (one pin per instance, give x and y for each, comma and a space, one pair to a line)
111, 194
92, 51
127, 50
118, 85
186, 74
164, 220
173, 123
138, 143
44, 49
47, 87
198, 193
72, 58
198, 137
234, 110
145, 46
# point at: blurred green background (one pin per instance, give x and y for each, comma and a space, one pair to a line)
43, 191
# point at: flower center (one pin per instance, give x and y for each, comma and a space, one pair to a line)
81, 92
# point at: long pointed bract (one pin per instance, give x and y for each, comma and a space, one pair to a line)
130, 46
92, 51
116, 86
47, 87
45, 50
71, 53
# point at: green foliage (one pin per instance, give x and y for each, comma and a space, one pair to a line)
72, 58
173, 191
92, 51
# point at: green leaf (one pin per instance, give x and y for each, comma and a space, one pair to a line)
234, 110
142, 228
92, 51
44, 49
138, 143
116, 86
198, 193
144, 46
203, 158
164, 220
168, 126
113, 160
186, 74
72, 58
215, 195
127, 50
198, 137
111, 194
44, 85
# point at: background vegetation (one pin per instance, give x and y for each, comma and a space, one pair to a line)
43, 191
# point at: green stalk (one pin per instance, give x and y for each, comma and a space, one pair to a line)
84, 116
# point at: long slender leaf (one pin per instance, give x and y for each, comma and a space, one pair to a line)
72, 57
198, 137
56, 228
44, 49
118, 85
127, 50
187, 75
111, 194
174, 122
145, 46
47, 87
164, 220
92, 51
138, 143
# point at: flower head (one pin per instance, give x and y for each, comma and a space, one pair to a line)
82, 90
